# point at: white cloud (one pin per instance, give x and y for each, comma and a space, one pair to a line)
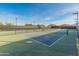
68, 20
8, 17
48, 18
70, 9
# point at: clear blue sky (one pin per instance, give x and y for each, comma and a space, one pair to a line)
38, 13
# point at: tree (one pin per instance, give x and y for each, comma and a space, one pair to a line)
39, 27
1, 26
9, 26
51, 26
29, 26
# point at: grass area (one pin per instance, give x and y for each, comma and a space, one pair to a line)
4, 33
64, 47
7, 39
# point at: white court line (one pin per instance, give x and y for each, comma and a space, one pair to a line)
51, 44
40, 42
57, 40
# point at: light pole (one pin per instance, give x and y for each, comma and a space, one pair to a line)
76, 13
15, 25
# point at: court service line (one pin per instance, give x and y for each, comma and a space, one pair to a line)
57, 40
40, 42
51, 44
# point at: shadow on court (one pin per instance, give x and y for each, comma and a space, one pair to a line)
29, 47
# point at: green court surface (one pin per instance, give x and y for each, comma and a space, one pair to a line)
28, 47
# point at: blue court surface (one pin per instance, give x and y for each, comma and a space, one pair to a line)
51, 44
49, 39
